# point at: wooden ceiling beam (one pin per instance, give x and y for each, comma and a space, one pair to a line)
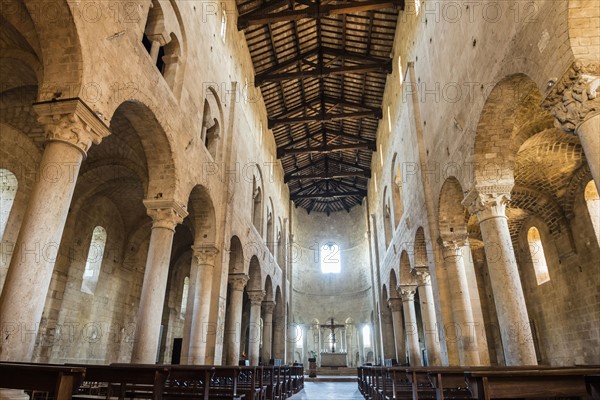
328, 176
262, 17
324, 72
325, 117
327, 149
329, 195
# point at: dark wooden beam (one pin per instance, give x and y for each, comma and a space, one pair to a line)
260, 17
327, 149
284, 64
324, 72
328, 175
324, 118
330, 195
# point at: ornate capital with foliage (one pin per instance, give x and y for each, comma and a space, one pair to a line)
488, 202
165, 213
238, 281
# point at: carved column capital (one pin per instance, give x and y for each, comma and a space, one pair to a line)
165, 213
423, 276
205, 254
268, 307
407, 292
256, 296
238, 281
488, 202
452, 248
71, 121
395, 304
574, 98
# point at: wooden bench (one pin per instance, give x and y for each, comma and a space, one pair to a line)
534, 383
58, 381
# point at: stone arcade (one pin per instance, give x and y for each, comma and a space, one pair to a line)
213, 182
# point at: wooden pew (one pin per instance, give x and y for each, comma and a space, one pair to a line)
58, 381
561, 382
188, 382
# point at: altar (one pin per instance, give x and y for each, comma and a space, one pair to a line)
334, 359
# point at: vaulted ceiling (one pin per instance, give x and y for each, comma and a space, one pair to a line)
322, 68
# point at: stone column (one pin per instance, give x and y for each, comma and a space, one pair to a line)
233, 319
575, 103
166, 215
256, 297
267, 312
430, 327
461, 303
517, 341
204, 256
387, 335
278, 334
407, 293
396, 307
189, 311
70, 128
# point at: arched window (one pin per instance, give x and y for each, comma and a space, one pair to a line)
397, 191
211, 128
366, 333
330, 259
417, 7
538, 258
94, 260
256, 206
270, 218
400, 71
184, 297
387, 219
592, 199
8, 192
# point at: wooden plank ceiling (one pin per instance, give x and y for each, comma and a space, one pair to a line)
322, 68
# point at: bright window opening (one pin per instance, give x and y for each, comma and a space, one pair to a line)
366, 332
94, 260
330, 259
389, 115
417, 6
223, 24
400, 72
8, 192
538, 258
592, 200
184, 297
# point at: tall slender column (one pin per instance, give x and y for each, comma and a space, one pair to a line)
430, 327
267, 311
396, 307
461, 303
233, 319
70, 129
200, 328
387, 334
165, 216
256, 297
575, 103
407, 293
278, 333
490, 206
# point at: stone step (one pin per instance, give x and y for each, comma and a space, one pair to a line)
336, 371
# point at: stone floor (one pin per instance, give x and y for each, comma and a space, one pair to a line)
329, 391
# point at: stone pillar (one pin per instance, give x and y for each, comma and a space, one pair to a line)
204, 256
165, 216
575, 103
387, 335
256, 297
407, 293
278, 334
396, 307
461, 303
267, 312
70, 128
430, 327
515, 330
233, 319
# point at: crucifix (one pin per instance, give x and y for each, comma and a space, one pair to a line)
332, 326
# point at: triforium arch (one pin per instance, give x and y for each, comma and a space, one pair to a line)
396, 188
388, 224
213, 122
257, 199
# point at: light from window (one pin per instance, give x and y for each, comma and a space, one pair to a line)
184, 297
375, 180
381, 153
417, 6
330, 258
366, 332
389, 119
94, 260
592, 200
400, 72
538, 258
8, 192
223, 24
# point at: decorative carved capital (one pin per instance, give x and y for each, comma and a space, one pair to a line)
452, 248
574, 97
423, 276
407, 292
165, 213
256, 296
268, 307
205, 254
488, 202
395, 304
71, 121
238, 281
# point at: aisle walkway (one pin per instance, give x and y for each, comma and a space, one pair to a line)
329, 391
